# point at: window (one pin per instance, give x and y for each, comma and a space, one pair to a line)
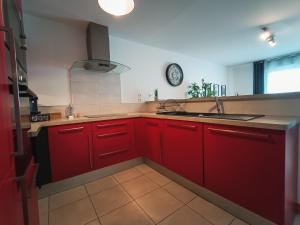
282, 75
283, 81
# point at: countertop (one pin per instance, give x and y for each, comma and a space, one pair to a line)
267, 122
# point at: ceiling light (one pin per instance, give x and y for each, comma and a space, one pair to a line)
117, 7
271, 41
265, 34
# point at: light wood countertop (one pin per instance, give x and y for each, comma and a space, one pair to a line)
267, 122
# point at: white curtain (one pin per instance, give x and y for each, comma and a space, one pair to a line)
282, 74
282, 63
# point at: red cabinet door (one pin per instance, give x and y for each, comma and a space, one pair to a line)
139, 130
30, 195
153, 140
182, 149
113, 142
11, 211
246, 166
70, 150
10, 195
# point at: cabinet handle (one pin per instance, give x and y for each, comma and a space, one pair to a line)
71, 130
183, 126
111, 134
90, 151
104, 155
111, 125
13, 62
240, 133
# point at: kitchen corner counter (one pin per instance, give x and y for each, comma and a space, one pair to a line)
282, 123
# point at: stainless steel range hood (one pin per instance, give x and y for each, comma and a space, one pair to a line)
97, 41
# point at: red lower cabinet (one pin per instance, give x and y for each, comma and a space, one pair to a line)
10, 200
70, 148
113, 142
31, 195
139, 136
153, 140
182, 149
247, 166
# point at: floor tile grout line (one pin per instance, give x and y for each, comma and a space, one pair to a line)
178, 198
136, 203
132, 199
183, 205
93, 205
105, 189
70, 203
200, 214
113, 210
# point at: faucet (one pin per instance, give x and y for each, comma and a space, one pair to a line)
219, 105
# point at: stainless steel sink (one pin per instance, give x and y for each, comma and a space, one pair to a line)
241, 117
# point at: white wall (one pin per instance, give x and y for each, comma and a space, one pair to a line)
148, 70
54, 45
52, 48
240, 79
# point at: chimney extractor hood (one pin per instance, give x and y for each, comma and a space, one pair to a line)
97, 41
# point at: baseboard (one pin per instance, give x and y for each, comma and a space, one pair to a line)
231, 207
66, 184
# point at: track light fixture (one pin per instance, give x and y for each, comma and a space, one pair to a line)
268, 36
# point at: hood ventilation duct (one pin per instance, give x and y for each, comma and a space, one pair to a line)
97, 42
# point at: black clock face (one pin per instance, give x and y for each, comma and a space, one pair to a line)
174, 74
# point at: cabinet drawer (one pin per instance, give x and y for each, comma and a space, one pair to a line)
104, 127
113, 146
71, 129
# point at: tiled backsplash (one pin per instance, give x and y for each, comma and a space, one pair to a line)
95, 88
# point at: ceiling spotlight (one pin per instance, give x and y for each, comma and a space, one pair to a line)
266, 34
117, 7
271, 41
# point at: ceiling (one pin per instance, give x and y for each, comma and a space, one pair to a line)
222, 31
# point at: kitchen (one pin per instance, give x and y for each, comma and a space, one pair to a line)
149, 112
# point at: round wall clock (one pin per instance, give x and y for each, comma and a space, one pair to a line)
174, 74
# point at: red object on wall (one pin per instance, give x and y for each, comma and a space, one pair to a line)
183, 149
153, 140
113, 142
70, 148
10, 196
247, 166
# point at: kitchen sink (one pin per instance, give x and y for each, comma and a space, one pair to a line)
241, 117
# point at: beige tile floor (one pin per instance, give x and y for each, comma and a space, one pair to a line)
137, 196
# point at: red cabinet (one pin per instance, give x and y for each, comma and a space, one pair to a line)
70, 148
182, 149
139, 136
10, 195
153, 140
113, 142
247, 166
31, 195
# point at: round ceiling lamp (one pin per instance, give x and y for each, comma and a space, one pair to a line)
117, 7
